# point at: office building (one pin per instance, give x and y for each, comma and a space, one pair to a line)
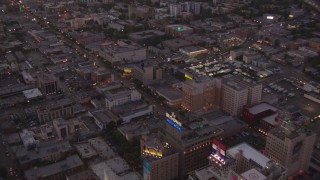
175, 10
48, 84
147, 74
200, 93
290, 146
191, 140
238, 92
55, 109
239, 162
121, 96
160, 160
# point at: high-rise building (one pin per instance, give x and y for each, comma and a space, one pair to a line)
200, 94
238, 92
291, 146
192, 140
160, 160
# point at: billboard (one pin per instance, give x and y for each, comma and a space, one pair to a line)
218, 152
171, 119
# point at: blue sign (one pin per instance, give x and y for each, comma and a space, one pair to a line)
179, 128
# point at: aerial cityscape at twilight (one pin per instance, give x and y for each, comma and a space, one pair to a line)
160, 89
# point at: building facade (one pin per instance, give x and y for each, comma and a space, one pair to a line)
200, 94
291, 146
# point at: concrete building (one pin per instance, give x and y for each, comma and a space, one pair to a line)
103, 118
101, 76
58, 170
48, 84
121, 96
146, 37
61, 127
191, 141
51, 151
147, 74
175, 10
132, 110
262, 117
291, 146
55, 109
123, 52
238, 92
239, 162
115, 168
86, 174
200, 94
160, 160
177, 30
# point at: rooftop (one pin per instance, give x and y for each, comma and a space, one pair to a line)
116, 166
32, 93
249, 153
253, 174
58, 167
86, 174
261, 108
45, 148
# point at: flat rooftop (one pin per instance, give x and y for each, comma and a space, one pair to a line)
116, 166
253, 174
58, 167
32, 93
169, 93
249, 153
146, 34
261, 108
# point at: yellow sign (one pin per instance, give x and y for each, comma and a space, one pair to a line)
127, 70
173, 118
187, 76
153, 151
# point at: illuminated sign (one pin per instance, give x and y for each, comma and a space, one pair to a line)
179, 28
153, 151
218, 152
171, 119
187, 76
127, 70
270, 17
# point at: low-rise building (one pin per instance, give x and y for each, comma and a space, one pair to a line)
121, 96
103, 118
56, 109
177, 30
58, 170
115, 168
123, 52
147, 74
239, 162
